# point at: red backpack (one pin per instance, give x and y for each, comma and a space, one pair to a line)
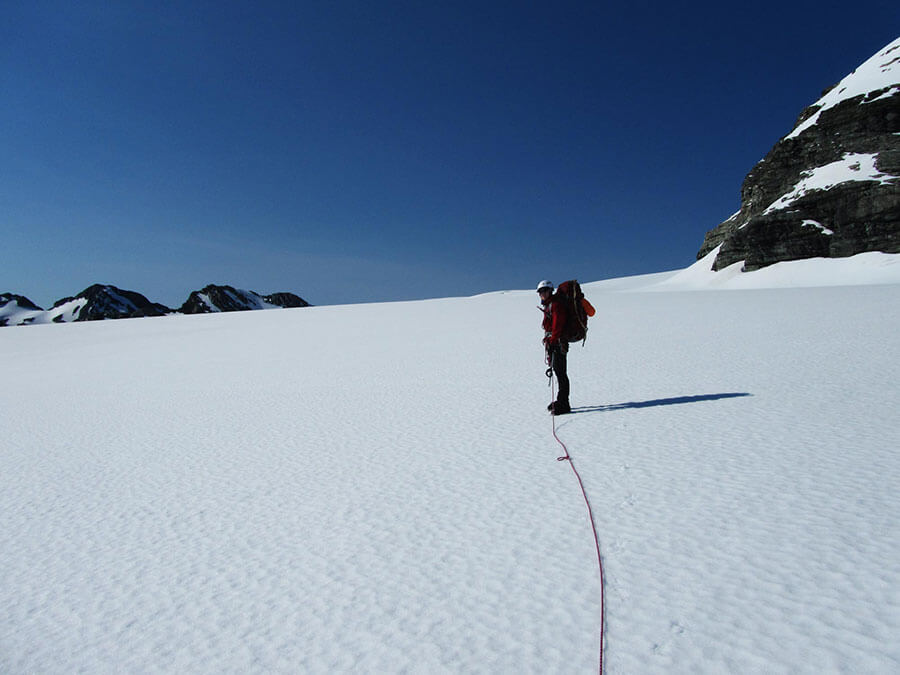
578, 309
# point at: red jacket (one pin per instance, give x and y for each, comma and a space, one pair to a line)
554, 320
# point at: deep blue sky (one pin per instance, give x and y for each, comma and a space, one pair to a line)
359, 151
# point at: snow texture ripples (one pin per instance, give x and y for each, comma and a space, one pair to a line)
374, 488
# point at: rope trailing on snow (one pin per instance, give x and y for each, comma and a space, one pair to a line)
568, 458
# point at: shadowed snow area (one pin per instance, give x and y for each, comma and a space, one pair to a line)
374, 488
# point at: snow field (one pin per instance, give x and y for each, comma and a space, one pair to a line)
374, 488
758, 533
313, 512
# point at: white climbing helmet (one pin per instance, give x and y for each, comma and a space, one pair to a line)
545, 284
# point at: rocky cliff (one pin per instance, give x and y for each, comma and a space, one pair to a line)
831, 187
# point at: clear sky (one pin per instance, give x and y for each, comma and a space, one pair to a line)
360, 151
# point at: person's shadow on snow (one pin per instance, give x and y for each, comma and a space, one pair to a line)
677, 400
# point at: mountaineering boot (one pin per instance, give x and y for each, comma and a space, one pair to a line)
560, 408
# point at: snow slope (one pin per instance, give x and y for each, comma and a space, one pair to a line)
868, 268
880, 73
13, 314
374, 488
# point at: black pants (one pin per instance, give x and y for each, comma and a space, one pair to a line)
558, 363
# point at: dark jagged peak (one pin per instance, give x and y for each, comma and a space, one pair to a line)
20, 300
285, 300
215, 298
103, 301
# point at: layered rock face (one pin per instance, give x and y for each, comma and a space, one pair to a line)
830, 188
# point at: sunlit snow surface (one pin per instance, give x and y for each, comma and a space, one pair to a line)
862, 269
374, 488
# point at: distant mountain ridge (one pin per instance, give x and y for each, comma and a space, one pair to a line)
104, 301
228, 299
100, 301
831, 187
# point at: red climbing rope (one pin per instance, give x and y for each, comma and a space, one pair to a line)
568, 458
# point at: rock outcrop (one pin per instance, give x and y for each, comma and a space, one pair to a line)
285, 300
214, 298
16, 309
99, 302
831, 187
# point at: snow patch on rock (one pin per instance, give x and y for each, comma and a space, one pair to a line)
852, 167
880, 72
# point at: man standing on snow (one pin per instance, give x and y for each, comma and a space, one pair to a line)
557, 348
